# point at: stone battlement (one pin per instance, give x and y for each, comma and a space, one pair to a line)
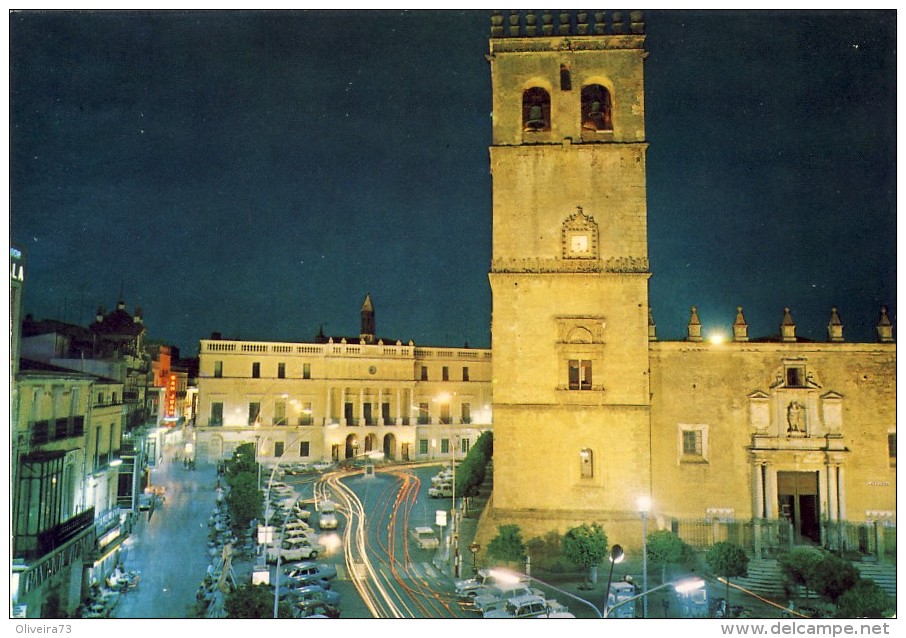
565, 23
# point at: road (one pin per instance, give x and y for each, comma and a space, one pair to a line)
169, 544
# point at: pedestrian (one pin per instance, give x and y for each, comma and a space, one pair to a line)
666, 605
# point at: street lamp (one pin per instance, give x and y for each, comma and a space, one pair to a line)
682, 586
644, 507
616, 556
474, 548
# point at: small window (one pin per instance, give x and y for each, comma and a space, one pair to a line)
218, 369
465, 373
445, 414
423, 446
280, 413
466, 412
445, 446
423, 418
424, 373
464, 446
278, 448
536, 110
216, 414
254, 412
579, 374
566, 82
100, 399
385, 414
586, 463
795, 377
306, 371
892, 448
692, 442
256, 370
445, 373
281, 370
305, 416
304, 448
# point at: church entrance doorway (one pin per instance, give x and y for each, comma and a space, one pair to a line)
797, 494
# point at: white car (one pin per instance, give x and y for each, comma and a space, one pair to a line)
327, 515
425, 537
441, 490
295, 549
530, 606
484, 580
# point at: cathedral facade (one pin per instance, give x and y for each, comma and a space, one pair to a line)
766, 442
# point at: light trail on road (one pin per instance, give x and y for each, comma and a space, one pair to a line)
377, 548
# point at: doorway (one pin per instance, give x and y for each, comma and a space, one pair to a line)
797, 502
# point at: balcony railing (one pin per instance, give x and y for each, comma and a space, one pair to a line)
48, 430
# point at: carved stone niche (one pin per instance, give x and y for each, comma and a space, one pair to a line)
759, 412
832, 413
578, 330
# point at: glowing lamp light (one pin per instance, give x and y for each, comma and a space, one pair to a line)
716, 338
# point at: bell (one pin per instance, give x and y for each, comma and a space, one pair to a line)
595, 119
536, 119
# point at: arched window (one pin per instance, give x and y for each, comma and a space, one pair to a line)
596, 108
536, 110
586, 463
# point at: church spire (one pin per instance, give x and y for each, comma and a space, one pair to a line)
367, 332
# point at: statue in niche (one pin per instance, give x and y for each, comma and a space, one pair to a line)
794, 418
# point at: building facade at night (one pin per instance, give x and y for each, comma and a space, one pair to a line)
765, 442
336, 398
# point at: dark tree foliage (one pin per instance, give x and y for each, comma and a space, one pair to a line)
254, 601
245, 501
865, 599
797, 565
729, 561
470, 473
831, 577
507, 545
242, 462
666, 548
586, 545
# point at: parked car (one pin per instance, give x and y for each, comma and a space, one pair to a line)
315, 609
425, 537
484, 579
530, 606
441, 490
311, 573
313, 593
496, 596
327, 515
293, 549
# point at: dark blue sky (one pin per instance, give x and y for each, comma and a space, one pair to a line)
257, 174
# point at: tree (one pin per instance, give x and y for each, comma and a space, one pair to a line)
242, 462
664, 548
586, 545
729, 561
507, 545
245, 501
832, 576
865, 599
470, 474
796, 567
254, 601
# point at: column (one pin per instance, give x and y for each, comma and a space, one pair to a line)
362, 408
399, 406
841, 494
770, 493
328, 408
832, 506
758, 488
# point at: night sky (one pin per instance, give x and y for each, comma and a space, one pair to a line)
256, 174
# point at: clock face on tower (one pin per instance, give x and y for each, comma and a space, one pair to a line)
578, 244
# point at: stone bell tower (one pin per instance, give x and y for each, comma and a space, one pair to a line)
569, 272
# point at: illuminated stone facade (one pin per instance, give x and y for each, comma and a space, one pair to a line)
336, 398
774, 441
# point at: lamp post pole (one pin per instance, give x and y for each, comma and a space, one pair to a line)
644, 505
616, 556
